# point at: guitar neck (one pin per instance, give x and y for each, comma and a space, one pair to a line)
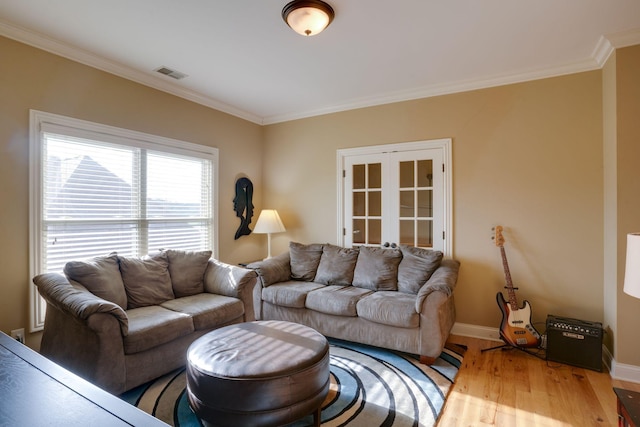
513, 302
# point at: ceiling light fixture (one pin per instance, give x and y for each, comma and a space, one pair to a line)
308, 17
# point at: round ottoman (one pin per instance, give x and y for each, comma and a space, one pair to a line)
263, 373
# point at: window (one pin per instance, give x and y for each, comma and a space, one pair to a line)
96, 189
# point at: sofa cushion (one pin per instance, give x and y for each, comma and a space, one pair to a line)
289, 294
146, 280
336, 265
304, 260
389, 308
377, 269
187, 271
154, 325
338, 300
101, 276
207, 310
416, 267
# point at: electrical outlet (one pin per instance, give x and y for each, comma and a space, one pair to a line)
18, 335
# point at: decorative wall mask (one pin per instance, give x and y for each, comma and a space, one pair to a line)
243, 205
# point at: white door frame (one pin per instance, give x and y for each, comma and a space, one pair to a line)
443, 144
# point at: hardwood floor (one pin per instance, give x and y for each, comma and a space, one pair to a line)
514, 389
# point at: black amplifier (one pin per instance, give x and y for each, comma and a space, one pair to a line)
574, 342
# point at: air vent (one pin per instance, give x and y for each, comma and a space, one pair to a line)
171, 73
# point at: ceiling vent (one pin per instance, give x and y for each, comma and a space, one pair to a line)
171, 73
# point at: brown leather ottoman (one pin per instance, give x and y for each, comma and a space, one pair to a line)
263, 373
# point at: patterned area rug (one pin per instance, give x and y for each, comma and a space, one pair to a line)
370, 386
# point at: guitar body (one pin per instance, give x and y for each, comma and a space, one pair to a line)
516, 328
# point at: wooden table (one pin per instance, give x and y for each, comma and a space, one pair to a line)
628, 407
36, 392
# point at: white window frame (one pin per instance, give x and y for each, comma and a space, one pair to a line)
40, 121
443, 145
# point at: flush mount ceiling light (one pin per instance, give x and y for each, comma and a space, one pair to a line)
308, 17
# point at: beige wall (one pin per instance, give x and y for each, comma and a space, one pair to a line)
526, 156
610, 141
33, 79
628, 194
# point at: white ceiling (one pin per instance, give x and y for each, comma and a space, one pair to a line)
241, 58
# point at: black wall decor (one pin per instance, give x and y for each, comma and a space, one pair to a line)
243, 205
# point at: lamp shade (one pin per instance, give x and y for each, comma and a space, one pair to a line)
307, 17
632, 268
269, 222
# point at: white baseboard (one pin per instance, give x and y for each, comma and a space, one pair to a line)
623, 372
617, 371
475, 331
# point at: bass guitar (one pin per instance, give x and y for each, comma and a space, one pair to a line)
516, 328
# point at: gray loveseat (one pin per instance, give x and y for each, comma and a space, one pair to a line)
120, 322
400, 298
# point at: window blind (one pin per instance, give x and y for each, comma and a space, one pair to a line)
100, 197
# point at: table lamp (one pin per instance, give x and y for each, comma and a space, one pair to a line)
269, 222
632, 268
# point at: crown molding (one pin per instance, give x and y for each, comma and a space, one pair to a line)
603, 49
446, 89
608, 44
624, 38
56, 47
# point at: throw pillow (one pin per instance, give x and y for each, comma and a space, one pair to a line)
304, 260
187, 271
416, 268
101, 276
336, 265
377, 269
146, 280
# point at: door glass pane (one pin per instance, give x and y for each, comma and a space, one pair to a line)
358, 203
375, 175
358, 231
375, 203
425, 233
425, 173
375, 232
358, 176
366, 199
407, 208
407, 232
406, 174
425, 203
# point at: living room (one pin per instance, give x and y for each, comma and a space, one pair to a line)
551, 159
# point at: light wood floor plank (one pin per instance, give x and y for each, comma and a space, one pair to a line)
513, 389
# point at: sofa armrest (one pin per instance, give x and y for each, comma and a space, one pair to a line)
444, 279
76, 301
232, 281
273, 270
229, 280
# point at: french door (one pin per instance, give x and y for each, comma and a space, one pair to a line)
397, 196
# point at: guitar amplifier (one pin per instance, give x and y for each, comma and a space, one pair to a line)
574, 342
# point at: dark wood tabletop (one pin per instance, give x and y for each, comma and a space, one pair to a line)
628, 406
37, 392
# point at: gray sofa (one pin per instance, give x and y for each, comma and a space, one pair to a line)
400, 298
120, 322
